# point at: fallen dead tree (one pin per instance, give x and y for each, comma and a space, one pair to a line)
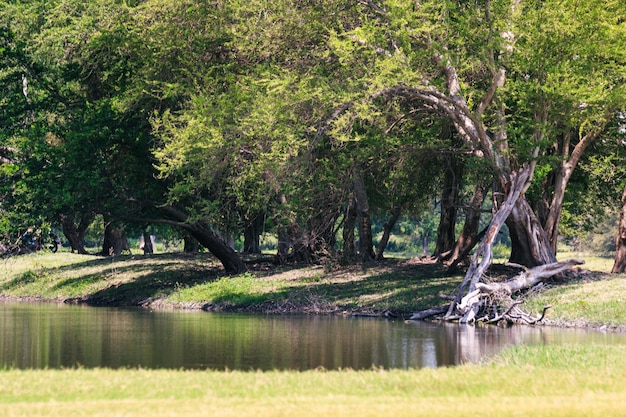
477, 300
494, 302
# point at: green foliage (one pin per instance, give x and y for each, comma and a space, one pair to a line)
235, 111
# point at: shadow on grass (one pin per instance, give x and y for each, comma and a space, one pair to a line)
392, 286
396, 286
399, 286
154, 280
134, 278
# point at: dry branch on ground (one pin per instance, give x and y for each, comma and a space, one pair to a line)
494, 302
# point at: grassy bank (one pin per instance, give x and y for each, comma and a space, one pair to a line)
183, 281
546, 381
177, 280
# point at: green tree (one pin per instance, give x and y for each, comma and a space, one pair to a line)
481, 65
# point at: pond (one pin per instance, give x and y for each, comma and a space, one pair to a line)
61, 336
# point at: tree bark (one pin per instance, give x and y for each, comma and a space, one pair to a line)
387, 227
529, 278
190, 244
349, 222
206, 237
469, 235
366, 241
284, 244
252, 234
485, 300
115, 241
147, 243
75, 233
561, 179
482, 257
529, 244
226, 255
449, 204
619, 266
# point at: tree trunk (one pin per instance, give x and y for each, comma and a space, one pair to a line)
484, 303
190, 244
227, 256
147, 244
529, 244
620, 240
284, 244
252, 235
206, 237
74, 233
349, 222
561, 179
469, 236
115, 241
366, 241
387, 227
449, 203
309, 246
483, 255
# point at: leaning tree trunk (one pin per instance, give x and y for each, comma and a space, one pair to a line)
206, 237
562, 176
478, 302
387, 227
484, 253
469, 235
227, 256
620, 240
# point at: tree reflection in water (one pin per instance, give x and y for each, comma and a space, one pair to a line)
54, 336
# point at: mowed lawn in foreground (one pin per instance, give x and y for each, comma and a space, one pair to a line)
524, 381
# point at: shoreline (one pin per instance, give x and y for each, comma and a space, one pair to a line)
267, 309
391, 289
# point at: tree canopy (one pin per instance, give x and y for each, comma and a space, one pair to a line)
305, 119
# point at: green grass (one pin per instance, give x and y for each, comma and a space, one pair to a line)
539, 380
561, 380
599, 299
184, 281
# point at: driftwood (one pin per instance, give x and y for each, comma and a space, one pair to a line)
424, 314
493, 302
529, 278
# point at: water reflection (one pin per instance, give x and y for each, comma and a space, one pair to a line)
54, 336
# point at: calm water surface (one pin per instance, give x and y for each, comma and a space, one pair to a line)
57, 336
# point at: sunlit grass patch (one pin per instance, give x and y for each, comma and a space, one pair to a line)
597, 301
531, 380
244, 289
593, 262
